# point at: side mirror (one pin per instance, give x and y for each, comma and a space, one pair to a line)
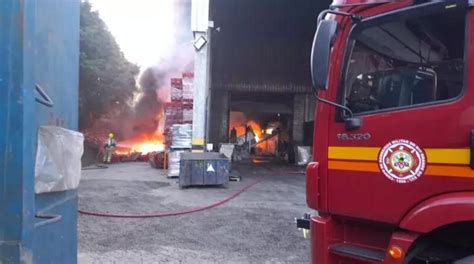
320, 53
353, 123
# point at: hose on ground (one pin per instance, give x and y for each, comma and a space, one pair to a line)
173, 213
97, 167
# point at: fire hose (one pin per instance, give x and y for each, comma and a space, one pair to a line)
171, 213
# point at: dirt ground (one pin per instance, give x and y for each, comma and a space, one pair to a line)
255, 227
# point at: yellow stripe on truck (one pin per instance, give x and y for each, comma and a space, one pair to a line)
353, 153
448, 156
434, 155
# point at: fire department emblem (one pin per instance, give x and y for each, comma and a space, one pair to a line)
402, 161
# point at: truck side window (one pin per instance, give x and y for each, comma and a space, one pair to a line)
406, 62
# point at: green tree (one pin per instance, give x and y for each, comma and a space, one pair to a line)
107, 78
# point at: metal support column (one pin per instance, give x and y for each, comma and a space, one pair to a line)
298, 117
200, 28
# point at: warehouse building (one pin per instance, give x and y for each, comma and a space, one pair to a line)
257, 66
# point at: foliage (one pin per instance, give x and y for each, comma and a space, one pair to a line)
107, 79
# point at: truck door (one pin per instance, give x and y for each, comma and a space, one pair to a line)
56, 74
405, 76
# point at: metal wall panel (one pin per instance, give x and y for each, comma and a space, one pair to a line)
263, 44
39, 45
56, 67
219, 117
235, 86
16, 131
298, 117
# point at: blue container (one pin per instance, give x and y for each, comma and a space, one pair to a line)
39, 51
203, 169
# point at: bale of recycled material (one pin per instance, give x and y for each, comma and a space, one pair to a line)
157, 160
181, 136
174, 158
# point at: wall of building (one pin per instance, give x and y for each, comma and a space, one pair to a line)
262, 47
263, 43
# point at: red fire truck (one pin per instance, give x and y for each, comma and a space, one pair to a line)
393, 174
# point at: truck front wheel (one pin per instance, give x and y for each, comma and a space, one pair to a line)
466, 260
453, 244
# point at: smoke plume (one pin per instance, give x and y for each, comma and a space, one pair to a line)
146, 115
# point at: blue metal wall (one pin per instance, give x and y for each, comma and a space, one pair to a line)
39, 45
57, 72
16, 133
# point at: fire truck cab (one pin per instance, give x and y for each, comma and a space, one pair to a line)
393, 174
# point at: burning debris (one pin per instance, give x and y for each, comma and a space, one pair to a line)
140, 125
143, 143
150, 124
252, 136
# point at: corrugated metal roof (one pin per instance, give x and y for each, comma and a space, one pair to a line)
263, 87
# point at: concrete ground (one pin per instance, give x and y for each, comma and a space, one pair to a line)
255, 227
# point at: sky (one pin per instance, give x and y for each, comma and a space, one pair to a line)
144, 29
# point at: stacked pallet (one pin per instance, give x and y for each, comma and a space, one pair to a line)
173, 116
180, 109
181, 141
188, 95
188, 91
178, 121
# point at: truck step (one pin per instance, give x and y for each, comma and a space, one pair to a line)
358, 252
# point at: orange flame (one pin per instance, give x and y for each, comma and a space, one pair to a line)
239, 122
143, 143
257, 130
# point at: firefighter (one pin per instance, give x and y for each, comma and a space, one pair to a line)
283, 142
109, 147
233, 135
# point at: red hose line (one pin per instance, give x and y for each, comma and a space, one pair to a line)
165, 214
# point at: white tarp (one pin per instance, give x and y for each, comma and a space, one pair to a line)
58, 159
304, 155
227, 150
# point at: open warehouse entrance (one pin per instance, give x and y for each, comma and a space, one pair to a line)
266, 115
259, 68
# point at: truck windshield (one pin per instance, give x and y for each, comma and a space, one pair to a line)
405, 62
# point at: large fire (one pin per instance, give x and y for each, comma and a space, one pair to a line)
241, 129
257, 130
266, 138
143, 143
